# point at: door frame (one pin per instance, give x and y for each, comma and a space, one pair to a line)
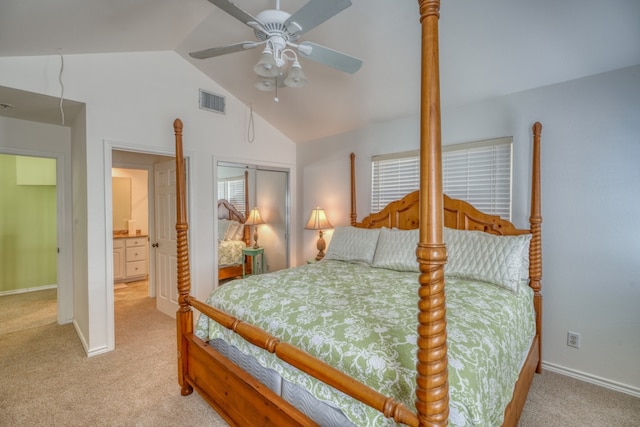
109, 146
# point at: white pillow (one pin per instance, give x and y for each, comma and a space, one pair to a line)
231, 231
396, 250
524, 268
239, 232
353, 244
223, 225
486, 257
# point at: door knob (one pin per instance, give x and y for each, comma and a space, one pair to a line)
154, 245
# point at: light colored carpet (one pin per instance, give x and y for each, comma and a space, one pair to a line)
48, 381
28, 310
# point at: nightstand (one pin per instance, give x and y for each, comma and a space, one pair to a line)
258, 268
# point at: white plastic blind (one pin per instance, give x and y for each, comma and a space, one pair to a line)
480, 173
477, 172
393, 177
232, 189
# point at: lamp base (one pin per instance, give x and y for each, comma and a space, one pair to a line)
320, 245
255, 238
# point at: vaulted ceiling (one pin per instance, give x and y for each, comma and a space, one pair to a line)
487, 48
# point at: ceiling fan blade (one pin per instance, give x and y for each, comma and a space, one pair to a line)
223, 50
332, 58
314, 13
237, 13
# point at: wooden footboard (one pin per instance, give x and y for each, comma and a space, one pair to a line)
231, 271
238, 397
514, 408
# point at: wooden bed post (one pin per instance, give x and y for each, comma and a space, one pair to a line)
354, 214
432, 392
535, 248
184, 315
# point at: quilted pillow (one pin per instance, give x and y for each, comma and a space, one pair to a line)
486, 257
239, 232
231, 230
396, 250
223, 225
353, 244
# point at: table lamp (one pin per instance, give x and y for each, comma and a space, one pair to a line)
318, 221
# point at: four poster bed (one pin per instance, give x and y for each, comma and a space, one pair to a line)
233, 235
251, 358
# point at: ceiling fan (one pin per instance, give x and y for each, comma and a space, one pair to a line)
278, 32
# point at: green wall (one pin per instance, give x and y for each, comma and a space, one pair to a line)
28, 248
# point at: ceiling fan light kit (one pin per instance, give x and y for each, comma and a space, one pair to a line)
278, 65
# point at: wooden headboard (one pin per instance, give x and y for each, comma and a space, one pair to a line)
227, 211
405, 215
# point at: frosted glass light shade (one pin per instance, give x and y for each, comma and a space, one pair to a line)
296, 77
266, 66
266, 84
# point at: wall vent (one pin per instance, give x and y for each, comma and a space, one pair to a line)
212, 102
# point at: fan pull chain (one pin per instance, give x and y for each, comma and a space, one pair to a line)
251, 129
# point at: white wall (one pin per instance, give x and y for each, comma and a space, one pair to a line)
133, 99
590, 198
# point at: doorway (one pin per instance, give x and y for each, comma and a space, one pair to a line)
149, 222
29, 270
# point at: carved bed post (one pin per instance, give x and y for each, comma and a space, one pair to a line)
184, 316
535, 248
354, 214
432, 393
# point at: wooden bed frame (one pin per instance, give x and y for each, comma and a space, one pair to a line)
243, 401
231, 271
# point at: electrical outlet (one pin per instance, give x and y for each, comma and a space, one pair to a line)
573, 339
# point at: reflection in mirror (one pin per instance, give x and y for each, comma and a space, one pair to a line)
240, 188
121, 193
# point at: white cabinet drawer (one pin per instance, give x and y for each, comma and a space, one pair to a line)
136, 268
136, 254
142, 241
118, 243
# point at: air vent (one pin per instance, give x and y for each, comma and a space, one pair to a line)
212, 102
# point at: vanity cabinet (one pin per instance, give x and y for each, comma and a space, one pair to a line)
130, 259
118, 260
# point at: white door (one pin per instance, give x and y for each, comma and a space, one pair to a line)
165, 245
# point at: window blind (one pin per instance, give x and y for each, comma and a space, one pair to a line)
477, 172
232, 189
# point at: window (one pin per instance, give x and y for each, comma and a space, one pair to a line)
232, 189
478, 172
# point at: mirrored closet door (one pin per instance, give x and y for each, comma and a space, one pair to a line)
253, 191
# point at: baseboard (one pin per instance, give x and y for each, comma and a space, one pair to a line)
592, 379
25, 290
89, 353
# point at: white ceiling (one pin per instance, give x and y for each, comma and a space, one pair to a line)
487, 48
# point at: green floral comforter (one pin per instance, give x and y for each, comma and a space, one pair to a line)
363, 321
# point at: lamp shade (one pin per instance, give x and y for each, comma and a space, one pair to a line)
296, 77
318, 220
254, 218
267, 66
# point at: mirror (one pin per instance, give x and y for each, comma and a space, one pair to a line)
246, 187
121, 193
